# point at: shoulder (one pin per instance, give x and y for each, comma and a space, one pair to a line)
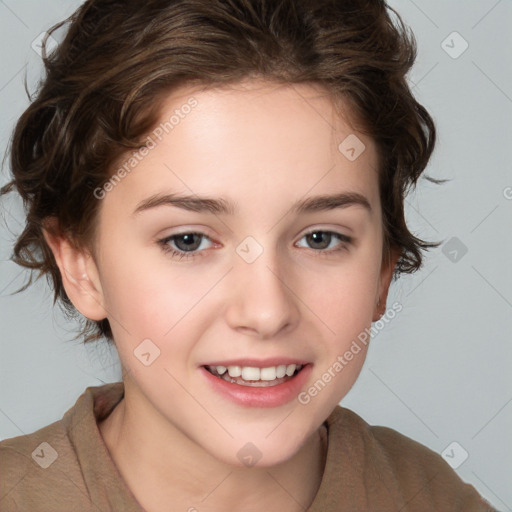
36, 468
418, 474
43, 470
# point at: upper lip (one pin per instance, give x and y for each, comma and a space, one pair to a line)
258, 363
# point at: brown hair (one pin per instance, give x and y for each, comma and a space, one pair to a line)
102, 85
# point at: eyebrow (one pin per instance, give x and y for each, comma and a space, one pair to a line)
195, 203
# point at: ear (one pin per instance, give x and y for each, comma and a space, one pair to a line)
386, 274
79, 274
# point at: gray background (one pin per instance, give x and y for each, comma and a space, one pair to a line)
440, 371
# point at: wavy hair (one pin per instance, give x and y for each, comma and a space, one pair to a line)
120, 58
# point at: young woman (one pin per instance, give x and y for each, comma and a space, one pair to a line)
217, 187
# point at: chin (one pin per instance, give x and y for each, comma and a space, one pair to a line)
258, 452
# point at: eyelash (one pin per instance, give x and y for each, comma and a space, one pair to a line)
173, 253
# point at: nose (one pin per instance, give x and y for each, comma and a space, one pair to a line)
262, 302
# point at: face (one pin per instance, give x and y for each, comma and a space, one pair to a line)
251, 269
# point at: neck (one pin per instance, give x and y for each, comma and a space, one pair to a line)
185, 477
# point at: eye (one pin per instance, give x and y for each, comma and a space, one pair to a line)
321, 240
190, 245
186, 244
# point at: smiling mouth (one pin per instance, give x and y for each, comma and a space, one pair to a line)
255, 377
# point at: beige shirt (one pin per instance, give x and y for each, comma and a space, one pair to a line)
66, 466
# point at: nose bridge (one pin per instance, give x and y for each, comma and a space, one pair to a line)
261, 300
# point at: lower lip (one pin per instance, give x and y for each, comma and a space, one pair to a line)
270, 396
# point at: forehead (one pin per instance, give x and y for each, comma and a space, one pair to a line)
253, 140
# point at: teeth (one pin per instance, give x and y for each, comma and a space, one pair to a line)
234, 371
268, 373
221, 370
251, 373
290, 369
281, 371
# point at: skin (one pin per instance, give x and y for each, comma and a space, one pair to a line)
262, 146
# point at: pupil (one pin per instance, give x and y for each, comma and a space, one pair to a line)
317, 235
188, 241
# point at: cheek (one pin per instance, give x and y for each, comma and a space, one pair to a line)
148, 296
139, 296
343, 303
344, 296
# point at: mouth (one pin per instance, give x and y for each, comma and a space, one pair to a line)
252, 376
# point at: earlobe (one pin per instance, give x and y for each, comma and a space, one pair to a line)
386, 275
79, 275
